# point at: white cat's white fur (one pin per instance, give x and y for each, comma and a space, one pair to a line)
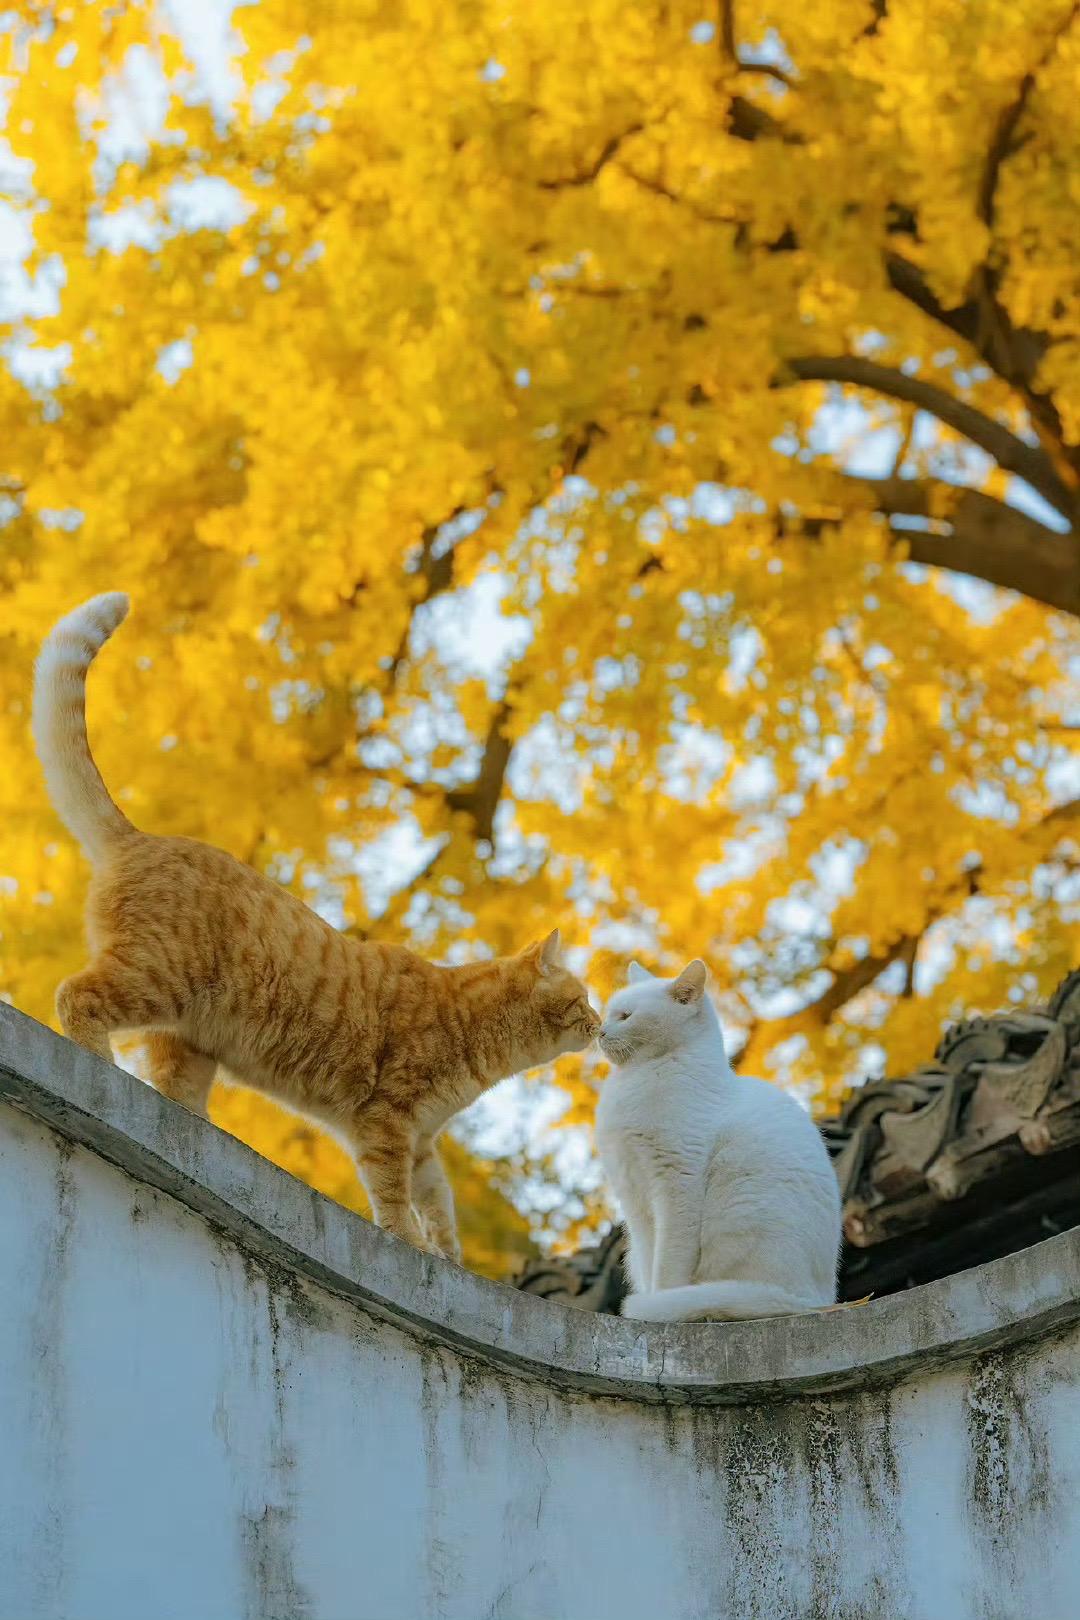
730, 1201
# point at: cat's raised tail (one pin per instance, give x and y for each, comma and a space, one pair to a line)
79, 795
716, 1302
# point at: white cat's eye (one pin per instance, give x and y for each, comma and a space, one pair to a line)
623, 1016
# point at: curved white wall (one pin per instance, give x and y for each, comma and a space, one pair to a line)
223, 1398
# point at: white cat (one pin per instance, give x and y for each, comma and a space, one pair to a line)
731, 1203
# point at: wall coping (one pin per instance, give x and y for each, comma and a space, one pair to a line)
285, 1223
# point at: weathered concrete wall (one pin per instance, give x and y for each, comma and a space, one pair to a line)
223, 1398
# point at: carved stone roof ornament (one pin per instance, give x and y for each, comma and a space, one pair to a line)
972, 1156
591, 1279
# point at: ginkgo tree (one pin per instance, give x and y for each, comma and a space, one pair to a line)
616, 466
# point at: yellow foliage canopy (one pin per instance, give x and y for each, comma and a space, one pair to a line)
544, 444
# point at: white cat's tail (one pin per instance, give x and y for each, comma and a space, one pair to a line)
80, 796
716, 1302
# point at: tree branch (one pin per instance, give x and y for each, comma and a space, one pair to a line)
910, 956
768, 70
879, 10
1003, 142
728, 43
995, 333
847, 983
1011, 454
850, 980
658, 189
437, 576
1012, 352
400, 898
729, 49
975, 535
991, 555
480, 799
585, 177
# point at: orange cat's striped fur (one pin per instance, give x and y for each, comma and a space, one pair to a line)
221, 966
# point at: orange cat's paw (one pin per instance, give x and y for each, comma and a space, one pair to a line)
426, 1245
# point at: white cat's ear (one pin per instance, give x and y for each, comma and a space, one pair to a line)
690, 985
549, 952
636, 974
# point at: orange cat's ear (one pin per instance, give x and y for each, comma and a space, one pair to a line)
548, 952
544, 952
690, 985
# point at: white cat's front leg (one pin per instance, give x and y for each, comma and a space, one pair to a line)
639, 1251
678, 1243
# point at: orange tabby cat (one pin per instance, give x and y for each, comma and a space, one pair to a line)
221, 966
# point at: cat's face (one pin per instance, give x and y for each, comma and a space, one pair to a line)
651, 1017
559, 1002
